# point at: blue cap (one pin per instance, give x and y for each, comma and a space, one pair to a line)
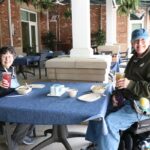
139, 34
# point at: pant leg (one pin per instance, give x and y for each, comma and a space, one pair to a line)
30, 130
116, 121
93, 131
2, 128
20, 132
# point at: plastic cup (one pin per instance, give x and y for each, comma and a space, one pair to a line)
7, 76
72, 92
119, 75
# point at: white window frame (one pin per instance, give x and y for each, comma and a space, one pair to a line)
32, 24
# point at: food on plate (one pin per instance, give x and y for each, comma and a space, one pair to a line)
23, 89
98, 89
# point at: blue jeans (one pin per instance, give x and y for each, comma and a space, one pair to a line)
116, 121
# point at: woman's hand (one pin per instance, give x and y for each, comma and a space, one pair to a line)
122, 83
4, 84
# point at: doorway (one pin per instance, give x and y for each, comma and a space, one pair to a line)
29, 31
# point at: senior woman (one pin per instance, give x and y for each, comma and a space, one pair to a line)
22, 132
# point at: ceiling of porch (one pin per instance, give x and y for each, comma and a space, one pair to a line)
143, 2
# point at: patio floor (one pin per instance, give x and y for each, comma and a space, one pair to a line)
76, 143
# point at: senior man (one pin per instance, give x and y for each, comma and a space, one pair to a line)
135, 85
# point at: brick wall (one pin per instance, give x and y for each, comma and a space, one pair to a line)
4, 24
64, 26
122, 31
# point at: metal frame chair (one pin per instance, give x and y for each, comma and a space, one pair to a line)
131, 137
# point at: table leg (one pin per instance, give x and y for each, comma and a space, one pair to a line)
59, 134
39, 66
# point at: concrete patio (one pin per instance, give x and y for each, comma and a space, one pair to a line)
76, 143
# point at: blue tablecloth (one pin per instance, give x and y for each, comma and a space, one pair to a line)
38, 108
26, 60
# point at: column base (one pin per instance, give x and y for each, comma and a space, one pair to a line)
81, 52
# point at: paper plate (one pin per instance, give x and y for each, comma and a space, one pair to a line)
89, 97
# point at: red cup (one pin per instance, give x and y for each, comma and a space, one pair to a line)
7, 76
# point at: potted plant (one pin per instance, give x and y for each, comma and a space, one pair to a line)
49, 40
127, 6
67, 13
98, 38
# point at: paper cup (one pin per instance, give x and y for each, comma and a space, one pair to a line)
72, 92
119, 75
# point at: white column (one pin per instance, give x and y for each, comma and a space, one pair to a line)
81, 32
10, 22
110, 23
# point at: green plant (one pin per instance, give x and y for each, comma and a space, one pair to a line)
127, 6
100, 37
39, 4
67, 13
49, 40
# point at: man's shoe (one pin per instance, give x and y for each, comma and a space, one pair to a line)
28, 140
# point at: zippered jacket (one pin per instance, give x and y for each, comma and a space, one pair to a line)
138, 72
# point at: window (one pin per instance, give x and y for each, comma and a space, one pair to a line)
29, 31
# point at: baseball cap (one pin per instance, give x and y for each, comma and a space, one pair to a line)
139, 34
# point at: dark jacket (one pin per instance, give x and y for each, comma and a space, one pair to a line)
138, 71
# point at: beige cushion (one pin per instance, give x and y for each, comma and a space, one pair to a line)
78, 69
110, 48
65, 62
80, 77
60, 63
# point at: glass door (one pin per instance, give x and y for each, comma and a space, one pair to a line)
33, 36
29, 31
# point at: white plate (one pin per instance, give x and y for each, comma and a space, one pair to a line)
23, 89
89, 97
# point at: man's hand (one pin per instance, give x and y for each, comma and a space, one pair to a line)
122, 83
114, 101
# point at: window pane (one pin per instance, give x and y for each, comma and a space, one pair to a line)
25, 36
24, 15
33, 38
136, 26
32, 17
134, 17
